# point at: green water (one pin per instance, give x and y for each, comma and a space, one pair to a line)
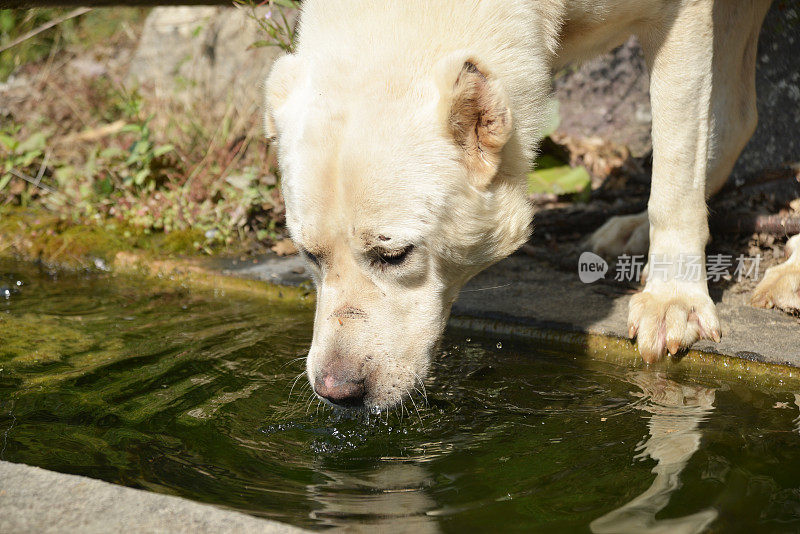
190, 393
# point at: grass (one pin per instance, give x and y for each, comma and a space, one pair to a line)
36, 234
84, 32
80, 144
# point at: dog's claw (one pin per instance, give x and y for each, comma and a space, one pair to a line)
650, 356
632, 331
673, 346
716, 335
670, 321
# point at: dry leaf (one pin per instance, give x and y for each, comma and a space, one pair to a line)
284, 247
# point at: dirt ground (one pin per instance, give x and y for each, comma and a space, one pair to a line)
753, 219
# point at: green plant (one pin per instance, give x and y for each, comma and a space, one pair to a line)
15, 23
18, 156
557, 177
277, 22
143, 155
96, 153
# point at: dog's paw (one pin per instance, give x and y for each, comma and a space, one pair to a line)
626, 234
671, 319
780, 287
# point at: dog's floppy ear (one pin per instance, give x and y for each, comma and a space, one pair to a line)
476, 114
281, 81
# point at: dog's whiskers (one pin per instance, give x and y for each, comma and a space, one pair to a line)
290, 362
310, 400
301, 395
295, 383
415, 409
422, 383
421, 394
487, 288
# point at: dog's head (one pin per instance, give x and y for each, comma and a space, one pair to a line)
398, 189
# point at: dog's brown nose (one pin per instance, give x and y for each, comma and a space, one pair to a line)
340, 391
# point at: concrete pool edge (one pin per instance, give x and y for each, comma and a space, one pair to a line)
38, 500
622, 351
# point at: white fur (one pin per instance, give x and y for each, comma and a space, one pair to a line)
362, 113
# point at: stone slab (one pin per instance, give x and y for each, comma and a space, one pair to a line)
38, 500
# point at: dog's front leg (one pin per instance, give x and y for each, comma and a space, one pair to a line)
674, 310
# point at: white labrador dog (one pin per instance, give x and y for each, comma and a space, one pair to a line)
405, 129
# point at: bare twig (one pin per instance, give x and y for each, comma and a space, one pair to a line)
94, 134
780, 186
747, 223
70, 101
46, 26
581, 221
42, 168
32, 181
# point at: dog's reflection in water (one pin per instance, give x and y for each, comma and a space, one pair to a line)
676, 411
397, 500
797, 419
399, 496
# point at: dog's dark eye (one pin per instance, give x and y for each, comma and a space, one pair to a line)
311, 257
387, 258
